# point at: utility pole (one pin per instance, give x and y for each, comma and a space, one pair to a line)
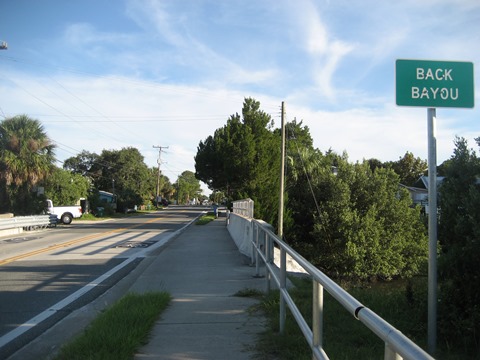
159, 162
282, 176
283, 254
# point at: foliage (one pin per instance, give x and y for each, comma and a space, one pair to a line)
188, 187
89, 217
359, 224
205, 219
242, 159
122, 172
218, 197
409, 168
84, 164
459, 236
26, 158
166, 188
66, 188
402, 304
125, 176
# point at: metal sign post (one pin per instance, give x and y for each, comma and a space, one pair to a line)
433, 84
432, 230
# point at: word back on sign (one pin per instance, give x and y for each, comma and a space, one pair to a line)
434, 83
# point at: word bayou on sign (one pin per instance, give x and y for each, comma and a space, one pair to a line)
434, 83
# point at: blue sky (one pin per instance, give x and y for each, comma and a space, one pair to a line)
103, 74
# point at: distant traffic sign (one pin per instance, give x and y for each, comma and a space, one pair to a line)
434, 83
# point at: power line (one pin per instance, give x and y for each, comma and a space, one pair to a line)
127, 119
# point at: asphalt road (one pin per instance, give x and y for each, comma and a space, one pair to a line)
46, 275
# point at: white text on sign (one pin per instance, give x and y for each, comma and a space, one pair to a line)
434, 93
438, 74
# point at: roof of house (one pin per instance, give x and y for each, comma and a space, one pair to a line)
422, 182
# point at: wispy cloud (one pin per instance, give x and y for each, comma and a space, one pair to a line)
193, 51
154, 18
325, 51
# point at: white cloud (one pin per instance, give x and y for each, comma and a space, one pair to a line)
385, 134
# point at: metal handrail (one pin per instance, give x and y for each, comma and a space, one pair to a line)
397, 345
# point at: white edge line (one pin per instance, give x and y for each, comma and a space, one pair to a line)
21, 329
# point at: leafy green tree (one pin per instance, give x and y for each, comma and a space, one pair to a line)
459, 236
358, 224
66, 188
409, 168
188, 187
84, 164
26, 158
124, 173
242, 159
226, 160
167, 189
375, 163
217, 197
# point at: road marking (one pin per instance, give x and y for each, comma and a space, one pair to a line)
69, 243
21, 329
5, 339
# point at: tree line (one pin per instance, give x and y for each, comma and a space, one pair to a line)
28, 174
353, 220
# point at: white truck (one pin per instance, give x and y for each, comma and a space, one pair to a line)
65, 213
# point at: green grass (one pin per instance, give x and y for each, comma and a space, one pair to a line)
88, 217
118, 332
91, 217
205, 219
250, 293
344, 336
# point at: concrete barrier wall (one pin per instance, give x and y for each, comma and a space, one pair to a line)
10, 232
241, 231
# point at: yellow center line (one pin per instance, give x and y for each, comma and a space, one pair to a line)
69, 243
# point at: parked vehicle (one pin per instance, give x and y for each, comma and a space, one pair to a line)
65, 213
108, 199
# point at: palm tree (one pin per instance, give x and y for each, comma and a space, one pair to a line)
26, 158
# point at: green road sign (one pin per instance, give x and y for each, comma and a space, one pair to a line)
434, 83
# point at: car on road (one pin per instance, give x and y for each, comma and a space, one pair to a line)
65, 213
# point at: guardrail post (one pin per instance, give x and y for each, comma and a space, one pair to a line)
254, 243
283, 285
390, 354
268, 259
257, 256
317, 315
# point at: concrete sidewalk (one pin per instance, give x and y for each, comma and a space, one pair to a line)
202, 270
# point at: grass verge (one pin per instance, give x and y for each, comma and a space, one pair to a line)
89, 217
345, 337
205, 219
118, 332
